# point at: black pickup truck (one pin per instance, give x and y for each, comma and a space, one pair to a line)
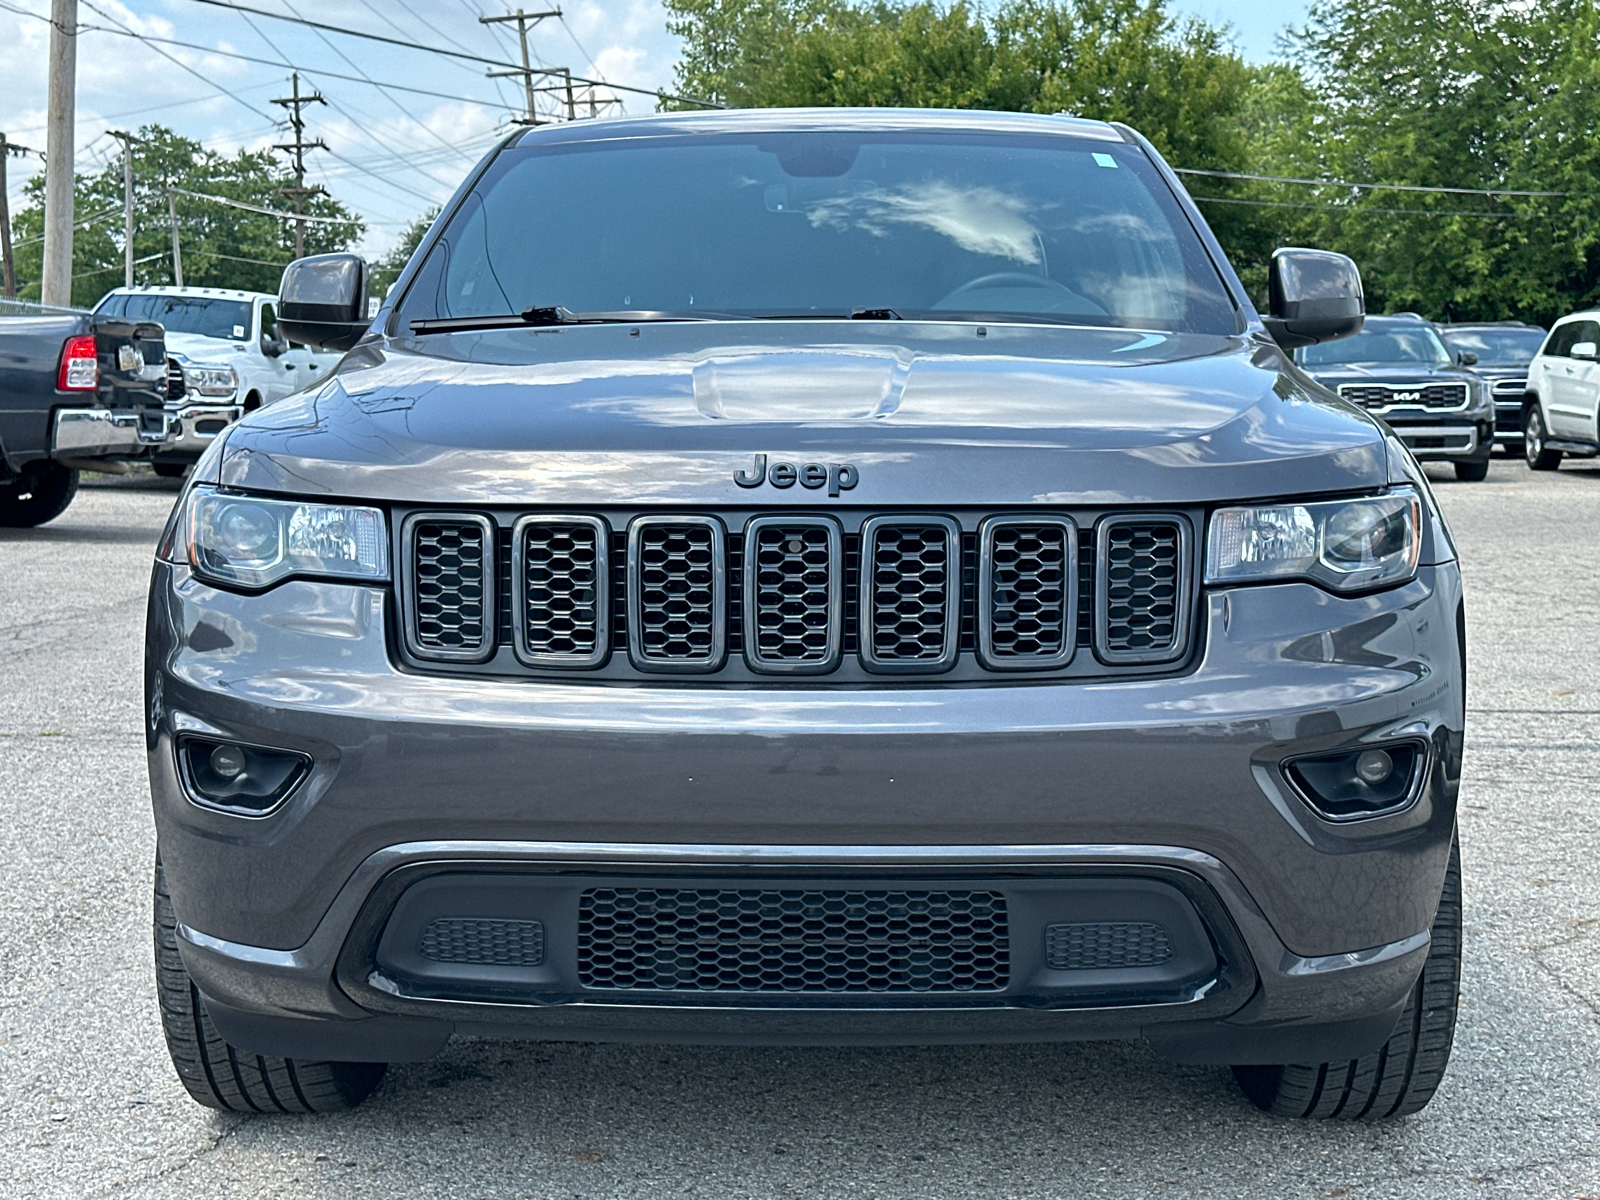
77, 391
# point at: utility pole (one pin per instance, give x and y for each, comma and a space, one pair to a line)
526, 21
572, 108
128, 143
8, 269
299, 193
177, 256
56, 285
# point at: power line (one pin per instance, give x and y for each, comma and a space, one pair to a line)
1390, 187
1351, 208
262, 209
441, 50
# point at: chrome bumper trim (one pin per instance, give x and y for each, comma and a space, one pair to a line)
85, 432
1458, 439
183, 418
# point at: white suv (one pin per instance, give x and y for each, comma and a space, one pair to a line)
226, 358
1561, 414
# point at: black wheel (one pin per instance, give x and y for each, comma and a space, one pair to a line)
169, 470
1400, 1077
1472, 472
1538, 456
40, 492
252, 402
218, 1075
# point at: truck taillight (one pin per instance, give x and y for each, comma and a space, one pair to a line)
80, 367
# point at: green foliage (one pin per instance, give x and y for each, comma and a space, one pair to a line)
387, 269
217, 242
1463, 93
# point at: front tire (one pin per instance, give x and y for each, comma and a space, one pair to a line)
1472, 472
40, 492
1401, 1076
169, 470
221, 1076
1538, 456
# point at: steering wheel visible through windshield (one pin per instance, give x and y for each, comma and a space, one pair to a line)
823, 224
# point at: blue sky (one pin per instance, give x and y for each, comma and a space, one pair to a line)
392, 152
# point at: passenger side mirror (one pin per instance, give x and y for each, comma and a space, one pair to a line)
1312, 296
322, 301
273, 344
1466, 358
1583, 350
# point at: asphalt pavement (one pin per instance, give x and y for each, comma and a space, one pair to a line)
89, 1105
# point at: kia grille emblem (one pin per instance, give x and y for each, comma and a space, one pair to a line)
837, 477
1407, 397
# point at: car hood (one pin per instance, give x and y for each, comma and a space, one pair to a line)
937, 414
1333, 376
192, 348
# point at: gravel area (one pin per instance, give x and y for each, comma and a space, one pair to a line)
89, 1106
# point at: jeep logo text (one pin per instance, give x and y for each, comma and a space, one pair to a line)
838, 477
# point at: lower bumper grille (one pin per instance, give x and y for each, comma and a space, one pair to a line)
800, 940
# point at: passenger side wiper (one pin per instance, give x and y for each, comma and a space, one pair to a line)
545, 317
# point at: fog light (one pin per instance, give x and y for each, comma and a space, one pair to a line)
227, 761
245, 780
1352, 784
1374, 766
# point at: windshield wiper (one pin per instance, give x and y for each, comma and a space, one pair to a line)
546, 317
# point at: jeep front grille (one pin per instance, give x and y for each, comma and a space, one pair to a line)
842, 598
792, 940
449, 579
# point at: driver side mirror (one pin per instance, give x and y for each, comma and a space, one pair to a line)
1466, 358
273, 344
322, 301
1312, 296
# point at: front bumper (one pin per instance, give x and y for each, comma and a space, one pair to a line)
1448, 441
1314, 931
195, 425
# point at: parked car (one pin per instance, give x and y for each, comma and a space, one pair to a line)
1561, 413
77, 391
227, 358
1399, 368
838, 576
1503, 349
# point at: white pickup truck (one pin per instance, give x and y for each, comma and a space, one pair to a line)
225, 358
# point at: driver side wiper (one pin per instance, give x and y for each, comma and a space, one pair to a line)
545, 317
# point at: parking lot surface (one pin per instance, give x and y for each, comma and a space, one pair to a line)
89, 1105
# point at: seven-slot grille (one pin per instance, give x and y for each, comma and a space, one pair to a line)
793, 940
1424, 395
795, 594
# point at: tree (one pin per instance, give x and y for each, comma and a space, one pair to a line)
221, 246
387, 269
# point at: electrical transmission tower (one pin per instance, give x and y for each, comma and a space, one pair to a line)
524, 22
300, 193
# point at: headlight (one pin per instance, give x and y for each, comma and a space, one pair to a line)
1346, 545
247, 542
210, 381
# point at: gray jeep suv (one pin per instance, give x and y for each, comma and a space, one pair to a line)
811, 577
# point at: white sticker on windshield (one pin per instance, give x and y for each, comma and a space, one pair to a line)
1105, 160
238, 331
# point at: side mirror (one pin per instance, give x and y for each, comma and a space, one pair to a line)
273, 344
1466, 358
1584, 350
1312, 296
322, 301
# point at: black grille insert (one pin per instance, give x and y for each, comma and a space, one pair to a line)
1027, 601
1106, 946
677, 598
561, 580
449, 575
793, 594
483, 941
800, 940
1142, 589
1430, 395
910, 593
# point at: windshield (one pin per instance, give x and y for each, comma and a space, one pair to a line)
1392, 344
226, 319
821, 224
1512, 347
